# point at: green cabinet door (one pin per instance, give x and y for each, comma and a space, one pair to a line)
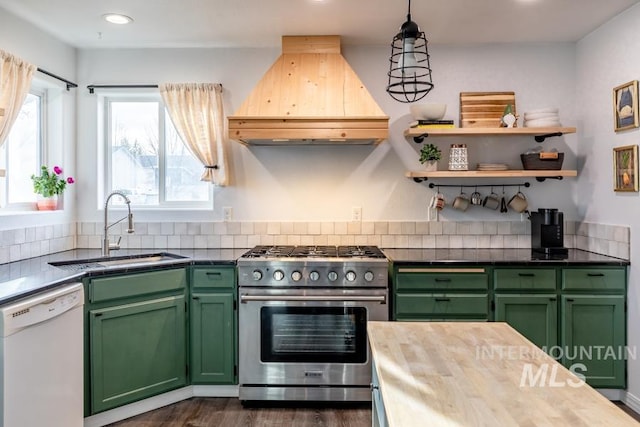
534, 316
138, 350
212, 338
593, 334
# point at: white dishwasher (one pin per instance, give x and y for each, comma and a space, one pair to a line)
41, 353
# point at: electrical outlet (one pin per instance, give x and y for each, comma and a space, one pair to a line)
227, 212
356, 213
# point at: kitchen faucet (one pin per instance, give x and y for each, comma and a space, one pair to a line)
106, 246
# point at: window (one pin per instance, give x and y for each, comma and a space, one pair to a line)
147, 160
21, 154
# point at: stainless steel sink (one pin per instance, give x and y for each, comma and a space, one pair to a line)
122, 261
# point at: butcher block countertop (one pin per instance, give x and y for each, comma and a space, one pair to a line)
469, 374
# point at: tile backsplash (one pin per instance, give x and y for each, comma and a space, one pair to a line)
36, 241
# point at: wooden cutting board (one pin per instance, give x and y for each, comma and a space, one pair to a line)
484, 109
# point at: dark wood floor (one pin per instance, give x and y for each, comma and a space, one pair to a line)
228, 412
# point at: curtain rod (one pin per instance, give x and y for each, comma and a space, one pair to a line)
92, 87
68, 83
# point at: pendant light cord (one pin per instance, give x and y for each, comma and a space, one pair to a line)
409, 12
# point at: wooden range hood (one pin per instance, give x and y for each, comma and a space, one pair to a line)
310, 95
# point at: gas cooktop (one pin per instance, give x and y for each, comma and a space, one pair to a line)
263, 252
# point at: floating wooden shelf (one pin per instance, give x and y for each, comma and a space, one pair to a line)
540, 175
539, 133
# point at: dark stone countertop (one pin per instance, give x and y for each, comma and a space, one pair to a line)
31, 276
575, 257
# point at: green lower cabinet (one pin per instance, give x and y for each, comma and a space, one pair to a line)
593, 333
138, 350
534, 316
212, 338
454, 306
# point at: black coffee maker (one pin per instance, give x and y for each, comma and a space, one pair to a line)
547, 233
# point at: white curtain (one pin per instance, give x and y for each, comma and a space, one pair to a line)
197, 113
15, 82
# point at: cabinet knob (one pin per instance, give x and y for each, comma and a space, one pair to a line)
438, 279
526, 274
443, 299
595, 274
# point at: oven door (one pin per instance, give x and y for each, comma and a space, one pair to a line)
307, 337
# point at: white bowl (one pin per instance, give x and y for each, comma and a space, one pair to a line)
427, 111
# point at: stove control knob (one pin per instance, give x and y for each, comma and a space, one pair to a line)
368, 276
333, 276
257, 275
278, 275
314, 275
296, 275
351, 275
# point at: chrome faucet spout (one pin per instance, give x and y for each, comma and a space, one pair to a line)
106, 245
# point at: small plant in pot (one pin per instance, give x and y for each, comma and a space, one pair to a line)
429, 156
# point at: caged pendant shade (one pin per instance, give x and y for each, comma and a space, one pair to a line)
409, 68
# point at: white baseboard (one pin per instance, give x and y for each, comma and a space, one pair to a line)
632, 402
155, 402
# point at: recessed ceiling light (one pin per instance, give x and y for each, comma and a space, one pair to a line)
116, 18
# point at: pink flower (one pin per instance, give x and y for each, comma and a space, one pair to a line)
57, 170
70, 180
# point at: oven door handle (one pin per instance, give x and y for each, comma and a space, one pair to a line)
382, 299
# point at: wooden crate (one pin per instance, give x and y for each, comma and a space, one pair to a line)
484, 109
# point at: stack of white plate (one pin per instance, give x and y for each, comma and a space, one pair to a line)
542, 118
492, 167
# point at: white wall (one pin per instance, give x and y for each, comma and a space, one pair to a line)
605, 59
39, 48
324, 183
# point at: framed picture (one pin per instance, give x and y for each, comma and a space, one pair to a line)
625, 168
625, 106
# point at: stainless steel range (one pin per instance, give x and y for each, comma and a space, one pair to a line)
303, 318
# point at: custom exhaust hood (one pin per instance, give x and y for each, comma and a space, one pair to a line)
310, 95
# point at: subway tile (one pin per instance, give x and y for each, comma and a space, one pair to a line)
173, 242
82, 242
252, 240
306, 240
168, 228
387, 241
455, 241
160, 242
408, 227
220, 228
280, 240
246, 227
621, 234
368, 228
510, 241
347, 240
395, 227
415, 241
14, 253
504, 227
484, 241
428, 241
321, 240
381, 227
477, 228
314, 228
240, 241
180, 228
4, 255
442, 241
361, 240
470, 242
147, 242
213, 241
463, 227
226, 241
449, 227
518, 227
374, 240
300, 228
327, 228
333, 240
524, 241
19, 236
200, 242
260, 227
436, 228
497, 241
233, 227
340, 227
273, 228
266, 239
569, 227
354, 227
87, 228
152, 229
286, 227
206, 228
401, 241
422, 227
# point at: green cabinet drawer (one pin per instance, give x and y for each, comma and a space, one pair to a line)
414, 306
529, 279
138, 284
413, 279
594, 279
213, 277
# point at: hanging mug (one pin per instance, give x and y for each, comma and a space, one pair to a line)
518, 202
461, 202
492, 201
476, 198
439, 203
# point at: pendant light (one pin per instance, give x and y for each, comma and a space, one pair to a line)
409, 68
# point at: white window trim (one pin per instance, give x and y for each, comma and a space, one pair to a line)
106, 183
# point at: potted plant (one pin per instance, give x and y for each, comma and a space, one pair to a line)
429, 156
48, 185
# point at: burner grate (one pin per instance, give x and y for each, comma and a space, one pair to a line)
360, 252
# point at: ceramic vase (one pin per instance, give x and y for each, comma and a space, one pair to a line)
47, 203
